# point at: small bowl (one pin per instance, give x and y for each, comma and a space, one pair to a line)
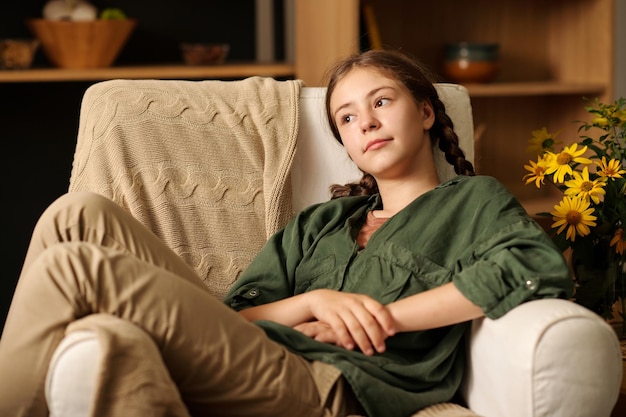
16, 54
204, 53
467, 62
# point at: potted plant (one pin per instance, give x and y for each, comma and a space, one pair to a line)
590, 219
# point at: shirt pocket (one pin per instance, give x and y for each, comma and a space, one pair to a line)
317, 272
401, 272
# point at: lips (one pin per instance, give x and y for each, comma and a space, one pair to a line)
375, 144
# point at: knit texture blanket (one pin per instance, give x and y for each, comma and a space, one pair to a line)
204, 164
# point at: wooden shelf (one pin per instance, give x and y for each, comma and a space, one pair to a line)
553, 56
173, 71
241, 70
534, 88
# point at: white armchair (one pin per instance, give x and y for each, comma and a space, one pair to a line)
545, 358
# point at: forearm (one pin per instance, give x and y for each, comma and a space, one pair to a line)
353, 320
289, 311
437, 307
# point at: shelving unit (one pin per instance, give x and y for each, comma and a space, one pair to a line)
553, 55
324, 30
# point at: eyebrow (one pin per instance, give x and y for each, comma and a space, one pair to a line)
371, 93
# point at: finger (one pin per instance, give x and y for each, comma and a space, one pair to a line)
355, 325
371, 329
305, 328
355, 321
382, 315
311, 328
327, 336
373, 325
339, 323
319, 331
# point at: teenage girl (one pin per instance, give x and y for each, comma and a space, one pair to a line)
360, 305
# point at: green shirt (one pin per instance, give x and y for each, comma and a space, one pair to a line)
469, 230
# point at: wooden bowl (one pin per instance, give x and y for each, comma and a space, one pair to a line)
82, 44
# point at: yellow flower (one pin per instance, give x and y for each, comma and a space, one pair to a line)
559, 164
542, 141
575, 214
600, 121
612, 169
537, 172
584, 187
618, 241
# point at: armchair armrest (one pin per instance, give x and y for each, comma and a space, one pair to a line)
544, 358
98, 352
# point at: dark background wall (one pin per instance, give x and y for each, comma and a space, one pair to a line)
162, 25
39, 121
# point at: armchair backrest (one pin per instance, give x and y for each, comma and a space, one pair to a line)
207, 165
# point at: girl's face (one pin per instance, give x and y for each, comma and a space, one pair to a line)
384, 131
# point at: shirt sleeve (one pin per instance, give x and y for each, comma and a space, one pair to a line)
271, 275
512, 260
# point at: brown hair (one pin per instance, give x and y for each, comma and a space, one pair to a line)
419, 81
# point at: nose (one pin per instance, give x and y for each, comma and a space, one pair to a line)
368, 121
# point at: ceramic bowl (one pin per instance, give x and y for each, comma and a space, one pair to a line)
204, 53
468, 62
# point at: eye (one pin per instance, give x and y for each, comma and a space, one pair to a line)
381, 102
345, 119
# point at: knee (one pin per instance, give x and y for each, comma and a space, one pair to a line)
68, 207
66, 269
80, 200
71, 213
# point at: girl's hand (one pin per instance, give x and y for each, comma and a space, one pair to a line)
319, 331
356, 320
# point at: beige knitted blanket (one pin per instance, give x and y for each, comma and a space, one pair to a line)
204, 164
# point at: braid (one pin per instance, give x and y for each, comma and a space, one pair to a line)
366, 186
443, 129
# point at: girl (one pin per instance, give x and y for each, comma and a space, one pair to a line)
358, 306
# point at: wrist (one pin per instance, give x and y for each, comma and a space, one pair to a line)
308, 300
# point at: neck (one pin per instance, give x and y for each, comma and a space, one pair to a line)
397, 194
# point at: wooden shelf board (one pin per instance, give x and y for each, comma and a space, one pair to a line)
242, 70
533, 88
173, 71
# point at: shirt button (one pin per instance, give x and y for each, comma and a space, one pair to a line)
531, 284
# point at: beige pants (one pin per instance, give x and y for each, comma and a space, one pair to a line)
89, 256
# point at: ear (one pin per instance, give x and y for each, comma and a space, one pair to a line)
428, 114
